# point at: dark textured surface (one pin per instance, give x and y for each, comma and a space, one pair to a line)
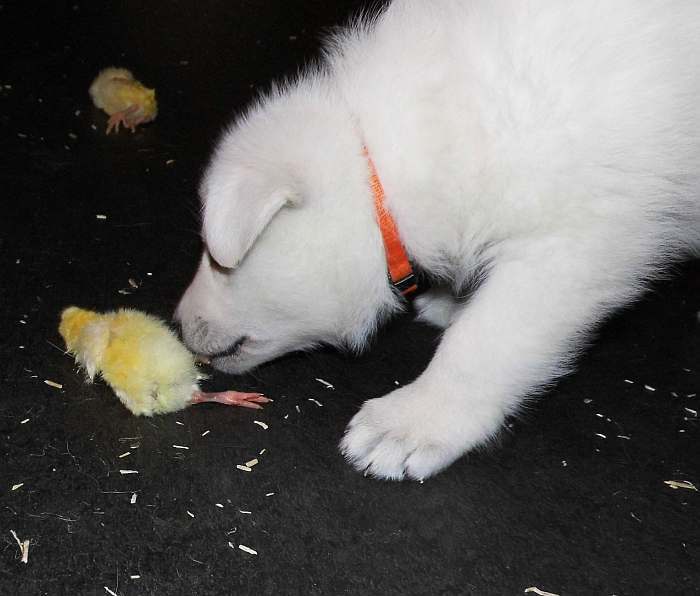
554, 505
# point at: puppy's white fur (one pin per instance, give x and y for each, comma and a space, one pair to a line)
550, 148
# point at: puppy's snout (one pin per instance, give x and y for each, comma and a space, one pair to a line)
195, 333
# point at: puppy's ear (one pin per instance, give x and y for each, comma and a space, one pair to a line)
238, 205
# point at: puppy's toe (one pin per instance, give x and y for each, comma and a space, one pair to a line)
387, 440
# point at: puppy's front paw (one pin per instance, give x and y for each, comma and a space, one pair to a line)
405, 435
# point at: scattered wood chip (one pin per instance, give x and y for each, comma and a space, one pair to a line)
133, 283
601, 435
269, 494
125, 454
535, 590
220, 505
675, 484
260, 424
244, 468
25, 421
205, 433
247, 549
128, 471
17, 486
133, 498
649, 388
245, 512
180, 423
23, 547
691, 411
170, 161
326, 384
252, 462
190, 514
53, 384
101, 216
134, 577
262, 451
112, 592
318, 403
628, 381
180, 447
625, 437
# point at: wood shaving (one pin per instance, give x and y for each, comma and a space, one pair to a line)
180, 447
535, 590
205, 433
318, 403
190, 514
23, 547
601, 435
219, 505
112, 592
252, 462
244, 468
133, 498
17, 486
675, 484
247, 549
262, 451
326, 384
100, 216
25, 421
134, 577
180, 423
628, 381
649, 388
125, 454
261, 424
128, 471
245, 512
53, 384
269, 494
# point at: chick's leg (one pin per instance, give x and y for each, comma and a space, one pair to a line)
123, 117
231, 398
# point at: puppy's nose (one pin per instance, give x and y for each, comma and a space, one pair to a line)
195, 333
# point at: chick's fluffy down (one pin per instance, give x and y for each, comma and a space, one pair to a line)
148, 367
136, 354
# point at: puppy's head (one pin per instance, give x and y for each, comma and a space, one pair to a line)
293, 257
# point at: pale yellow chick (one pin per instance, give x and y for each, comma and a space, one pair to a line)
143, 361
125, 100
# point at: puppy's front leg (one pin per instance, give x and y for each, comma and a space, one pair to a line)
516, 335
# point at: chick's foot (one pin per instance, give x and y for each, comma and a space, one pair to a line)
231, 398
123, 117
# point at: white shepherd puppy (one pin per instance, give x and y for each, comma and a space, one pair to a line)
546, 153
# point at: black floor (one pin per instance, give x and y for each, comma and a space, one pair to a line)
571, 501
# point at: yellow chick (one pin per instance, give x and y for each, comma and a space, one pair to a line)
143, 361
125, 100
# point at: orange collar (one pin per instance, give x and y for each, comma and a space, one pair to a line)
401, 272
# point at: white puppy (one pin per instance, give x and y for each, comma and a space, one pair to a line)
547, 152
